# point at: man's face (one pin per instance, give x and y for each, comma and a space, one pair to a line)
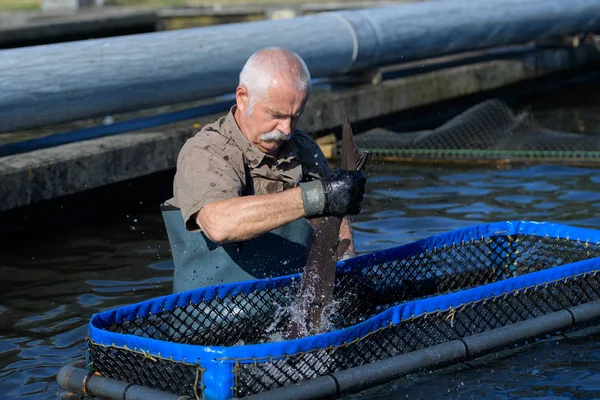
273, 118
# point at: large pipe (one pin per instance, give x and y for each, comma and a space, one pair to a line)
56, 83
75, 379
359, 378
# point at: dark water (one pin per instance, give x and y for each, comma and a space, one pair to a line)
55, 278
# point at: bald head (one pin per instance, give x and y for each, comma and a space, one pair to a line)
267, 67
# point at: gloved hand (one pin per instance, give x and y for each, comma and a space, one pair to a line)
339, 193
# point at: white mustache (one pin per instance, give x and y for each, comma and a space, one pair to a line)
274, 136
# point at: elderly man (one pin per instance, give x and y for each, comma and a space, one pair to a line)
245, 184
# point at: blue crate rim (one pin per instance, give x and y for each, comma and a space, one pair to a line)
190, 353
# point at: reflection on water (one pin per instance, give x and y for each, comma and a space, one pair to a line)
52, 283
407, 203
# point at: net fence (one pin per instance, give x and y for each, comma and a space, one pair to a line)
489, 131
419, 332
250, 317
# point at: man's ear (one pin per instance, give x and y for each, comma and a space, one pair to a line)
241, 98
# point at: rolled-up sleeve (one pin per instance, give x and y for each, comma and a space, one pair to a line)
205, 173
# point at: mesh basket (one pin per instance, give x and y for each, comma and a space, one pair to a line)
221, 342
489, 131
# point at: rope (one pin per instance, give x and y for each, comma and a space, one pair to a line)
86, 380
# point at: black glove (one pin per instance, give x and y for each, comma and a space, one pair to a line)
340, 193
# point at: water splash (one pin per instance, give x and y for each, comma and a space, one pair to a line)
297, 313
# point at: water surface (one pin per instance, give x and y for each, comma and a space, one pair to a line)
55, 278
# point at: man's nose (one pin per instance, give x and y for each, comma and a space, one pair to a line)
285, 126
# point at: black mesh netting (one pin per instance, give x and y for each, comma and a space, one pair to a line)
487, 131
360, 294
142, 369
418, 333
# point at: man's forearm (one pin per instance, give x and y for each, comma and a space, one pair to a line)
243, 218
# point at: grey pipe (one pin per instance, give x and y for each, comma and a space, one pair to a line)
359, 378
75, 379
56, 83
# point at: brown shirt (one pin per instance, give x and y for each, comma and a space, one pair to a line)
219, 163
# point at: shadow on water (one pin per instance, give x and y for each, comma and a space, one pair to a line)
55, 277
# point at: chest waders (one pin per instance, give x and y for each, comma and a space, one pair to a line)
200, 262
